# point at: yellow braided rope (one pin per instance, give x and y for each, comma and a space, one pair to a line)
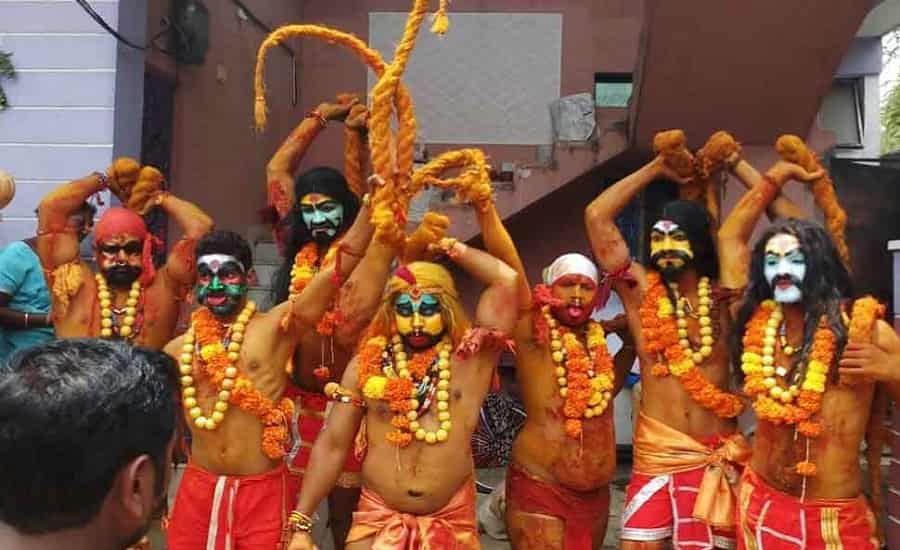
793, 149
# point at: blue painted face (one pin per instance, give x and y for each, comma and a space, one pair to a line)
785, 268
322, 215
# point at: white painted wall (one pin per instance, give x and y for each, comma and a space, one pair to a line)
60, 125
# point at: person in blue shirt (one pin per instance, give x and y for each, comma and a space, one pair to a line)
24, 296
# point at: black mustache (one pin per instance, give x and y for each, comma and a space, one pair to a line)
670, 254
786, 277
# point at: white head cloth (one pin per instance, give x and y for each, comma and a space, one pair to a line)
570, 264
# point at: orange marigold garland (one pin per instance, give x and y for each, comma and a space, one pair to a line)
306, 265
585, 376
217, 350
386, 373
797, 403
660, 331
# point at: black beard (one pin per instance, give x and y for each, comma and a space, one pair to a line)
320, 233
670, 272
433, 340
122, 276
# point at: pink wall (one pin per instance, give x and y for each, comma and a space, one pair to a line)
217, 159
598, 35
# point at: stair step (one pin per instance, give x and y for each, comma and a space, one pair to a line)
266, 252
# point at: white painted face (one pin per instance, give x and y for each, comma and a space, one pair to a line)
785, 268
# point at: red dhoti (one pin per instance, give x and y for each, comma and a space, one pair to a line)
771, 520
579, 511
681, 487
306, 425
453, 527
214, 512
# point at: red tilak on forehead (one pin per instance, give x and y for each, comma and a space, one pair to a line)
404, 273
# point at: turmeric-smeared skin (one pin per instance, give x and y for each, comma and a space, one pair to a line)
80, 315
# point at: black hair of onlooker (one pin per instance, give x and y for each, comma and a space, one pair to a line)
73, 413
226, 242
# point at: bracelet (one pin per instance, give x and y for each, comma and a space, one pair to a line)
366, 200
317, 114
26, 319
298, 521
160, 198
448, 247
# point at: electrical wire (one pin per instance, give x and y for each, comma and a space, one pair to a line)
102, 22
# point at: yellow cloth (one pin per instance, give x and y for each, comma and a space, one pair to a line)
661, 450
453, 527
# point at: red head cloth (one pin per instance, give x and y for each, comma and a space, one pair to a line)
121, 221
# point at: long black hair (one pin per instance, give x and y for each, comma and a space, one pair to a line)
694, 220
825, 286
323, 180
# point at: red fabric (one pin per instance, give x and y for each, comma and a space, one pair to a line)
250, 515
579, 511
771, 520
121, 221
308, 420
656, 518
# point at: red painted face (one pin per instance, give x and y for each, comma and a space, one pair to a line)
578, 297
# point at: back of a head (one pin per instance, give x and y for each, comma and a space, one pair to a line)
694, 220
226, 242
73, 413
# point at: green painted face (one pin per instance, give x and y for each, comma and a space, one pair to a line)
221, 284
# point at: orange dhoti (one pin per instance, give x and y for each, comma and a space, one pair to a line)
579, 511
771, 520
682, 488
452, 527
214, 512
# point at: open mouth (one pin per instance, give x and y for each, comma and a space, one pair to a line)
418, 340
784, 283
216, 299
575, 311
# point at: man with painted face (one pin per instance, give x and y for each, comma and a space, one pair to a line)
313, 212
810, 369
419, 402
685, 440
232, 364
127, 298
557, 493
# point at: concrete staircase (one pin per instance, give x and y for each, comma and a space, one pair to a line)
266, 262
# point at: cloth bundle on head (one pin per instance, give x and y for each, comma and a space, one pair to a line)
121, 221
570, 264
419, 278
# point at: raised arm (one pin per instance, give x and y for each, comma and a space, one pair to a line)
57, 244
499, 244
498, 306
607, 242
734, 235
326, 459
284, 163
195, 223
781, 207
